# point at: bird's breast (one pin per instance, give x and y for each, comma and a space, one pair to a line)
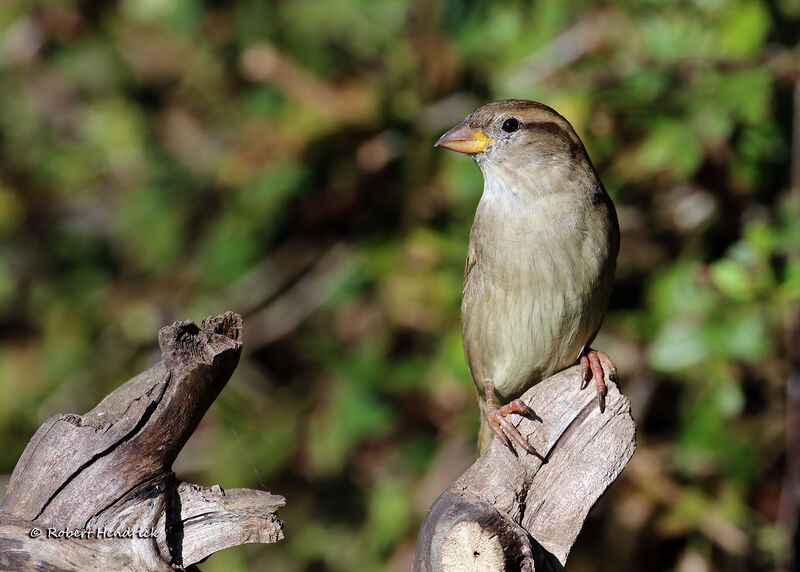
538, 279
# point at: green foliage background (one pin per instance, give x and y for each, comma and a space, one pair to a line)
163, 160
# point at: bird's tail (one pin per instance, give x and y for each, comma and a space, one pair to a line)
485, 433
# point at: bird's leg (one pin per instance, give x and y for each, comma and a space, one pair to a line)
593, 362
496, 417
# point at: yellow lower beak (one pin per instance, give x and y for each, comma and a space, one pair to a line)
464, 139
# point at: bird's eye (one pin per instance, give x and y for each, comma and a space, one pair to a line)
510, 125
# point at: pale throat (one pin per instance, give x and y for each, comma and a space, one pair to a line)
527, 205
532, 181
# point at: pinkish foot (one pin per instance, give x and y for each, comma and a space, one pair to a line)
497, 419
593, 363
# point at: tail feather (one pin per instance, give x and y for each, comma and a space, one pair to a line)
485, 433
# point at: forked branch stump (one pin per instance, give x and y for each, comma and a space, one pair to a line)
510, 512
96, 491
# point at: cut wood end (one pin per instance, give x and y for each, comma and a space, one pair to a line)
470, 548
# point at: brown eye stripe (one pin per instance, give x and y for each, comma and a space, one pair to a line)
550, 126
557, 130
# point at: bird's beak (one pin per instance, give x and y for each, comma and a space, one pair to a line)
464, 139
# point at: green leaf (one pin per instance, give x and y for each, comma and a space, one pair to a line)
742, 30
672, 146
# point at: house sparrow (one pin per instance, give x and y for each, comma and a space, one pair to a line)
541, 259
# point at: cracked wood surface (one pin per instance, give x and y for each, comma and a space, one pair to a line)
509, 512
110, 470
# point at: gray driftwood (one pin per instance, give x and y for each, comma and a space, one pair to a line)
510, 512
105, 477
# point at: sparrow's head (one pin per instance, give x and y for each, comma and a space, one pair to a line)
517, 137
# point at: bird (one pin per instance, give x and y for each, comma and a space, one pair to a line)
540, 262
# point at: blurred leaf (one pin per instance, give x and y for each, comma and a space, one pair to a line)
733, 279
11, 210
239, 235
158, 211
741, 336
742, 29
389, 514
677, 346
671, 146
115, 129
672, 36
352, 415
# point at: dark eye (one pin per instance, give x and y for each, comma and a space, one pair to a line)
510, 125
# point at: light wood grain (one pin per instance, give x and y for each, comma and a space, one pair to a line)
535, 510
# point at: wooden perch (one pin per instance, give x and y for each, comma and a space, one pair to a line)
96, 492
510, 512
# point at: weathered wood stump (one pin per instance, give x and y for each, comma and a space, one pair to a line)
509, 512
96, 492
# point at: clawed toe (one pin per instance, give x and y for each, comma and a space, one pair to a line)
593, 363
496, 417
506, 431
